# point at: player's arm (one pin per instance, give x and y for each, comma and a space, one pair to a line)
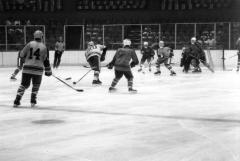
134, 59
24, 52
56, 46
46, 63
152, 53
111, 64
103, 53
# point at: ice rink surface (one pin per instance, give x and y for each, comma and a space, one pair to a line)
189, 117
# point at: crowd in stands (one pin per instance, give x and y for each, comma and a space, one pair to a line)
110, 4
194, 4
31, 5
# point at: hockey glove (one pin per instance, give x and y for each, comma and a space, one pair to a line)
132, 64
103, 54
48, 73
110, 66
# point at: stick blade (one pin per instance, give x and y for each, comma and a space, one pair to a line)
79, 90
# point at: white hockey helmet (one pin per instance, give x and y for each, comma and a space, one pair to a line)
193, 40
126, 42
38, 35
161, 43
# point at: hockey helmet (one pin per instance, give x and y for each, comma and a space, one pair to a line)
38, 35
126, 42
193, 40
145, 43
161, 43
90, 43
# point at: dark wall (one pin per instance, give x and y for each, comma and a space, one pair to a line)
152, 14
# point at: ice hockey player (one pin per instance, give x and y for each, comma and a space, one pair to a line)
197, 54
59, 49
147, 54
35, 55
20, 63
95, 54
164, 55
238, 48
124, 59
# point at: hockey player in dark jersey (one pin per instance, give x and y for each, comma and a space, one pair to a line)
186, 59
95, 54
147, 54
198, 55
164, 55
124, 59
36, 57
20, 63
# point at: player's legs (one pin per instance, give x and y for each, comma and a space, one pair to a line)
143, 59
149, 60
129, 77
36, 81
196, 65
25, 83
186, 64
55, 59
58, 59
158, 63
168, 66
118, 76
94, 63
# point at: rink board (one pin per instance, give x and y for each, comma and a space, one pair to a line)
78, 57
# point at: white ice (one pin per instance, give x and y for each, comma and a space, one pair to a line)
189, 117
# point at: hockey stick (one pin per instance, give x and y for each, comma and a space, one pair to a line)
78, 90
82, 77
86, 66
68, 78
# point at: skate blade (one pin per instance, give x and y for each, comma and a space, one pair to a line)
33, 105
16, 106
132, 92
96, 85
112, 91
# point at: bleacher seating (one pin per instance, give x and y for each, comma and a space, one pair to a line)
31, 5
194, 4
110, 4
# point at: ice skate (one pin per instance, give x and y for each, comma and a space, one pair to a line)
13, 78
131, 90
97, 82
16, 103
172, 73
112, 89
33, 103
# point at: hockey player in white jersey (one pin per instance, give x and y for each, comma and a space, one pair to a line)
94, 55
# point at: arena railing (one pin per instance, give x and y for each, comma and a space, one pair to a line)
175, 35
14, 37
